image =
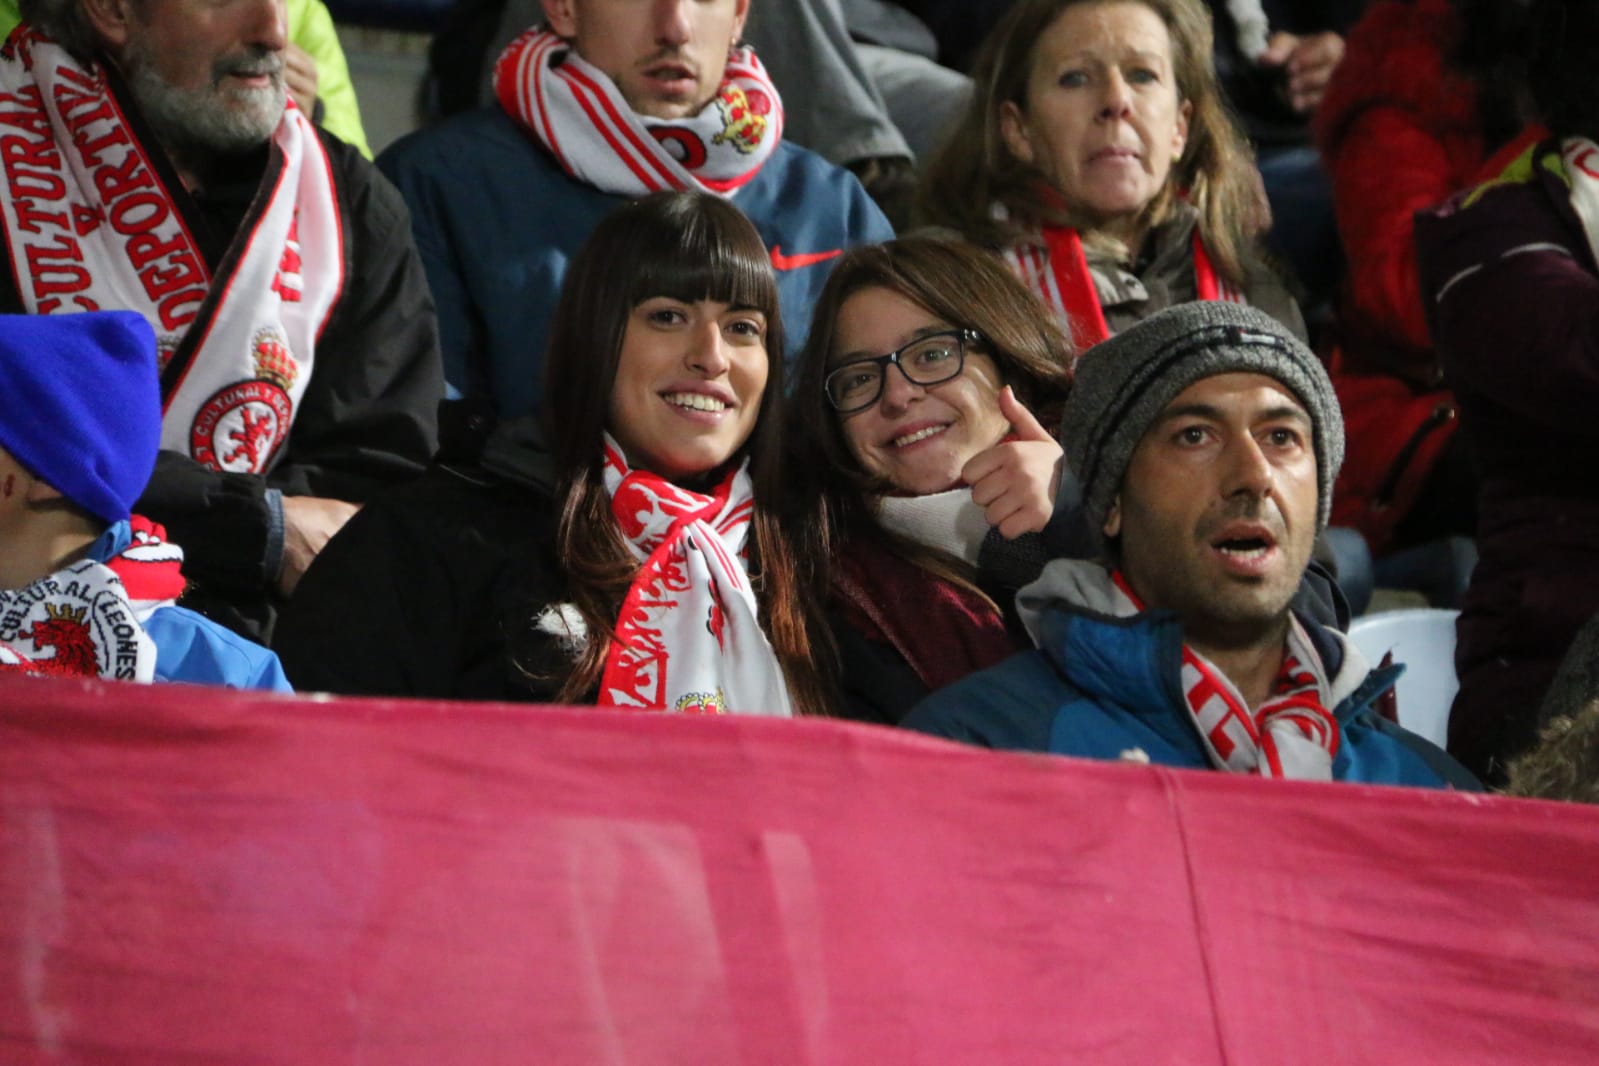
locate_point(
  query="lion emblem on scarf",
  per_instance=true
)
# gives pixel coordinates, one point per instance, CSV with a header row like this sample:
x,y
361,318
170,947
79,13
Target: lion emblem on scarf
x,y
242,426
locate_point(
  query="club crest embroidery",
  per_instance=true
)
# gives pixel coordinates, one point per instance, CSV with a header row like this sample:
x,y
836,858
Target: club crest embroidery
x,y
242,426
743,117
701,703
75,623
688,635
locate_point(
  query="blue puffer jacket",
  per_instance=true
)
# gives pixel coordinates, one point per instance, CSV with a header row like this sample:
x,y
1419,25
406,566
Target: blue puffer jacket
x,y
496,221
1102,685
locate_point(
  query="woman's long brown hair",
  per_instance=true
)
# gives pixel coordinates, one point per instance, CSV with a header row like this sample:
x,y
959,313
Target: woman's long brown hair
x,y
687,246
966,287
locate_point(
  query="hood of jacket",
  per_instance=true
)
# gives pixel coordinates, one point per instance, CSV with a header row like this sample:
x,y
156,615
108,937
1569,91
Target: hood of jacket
x,y
1091,632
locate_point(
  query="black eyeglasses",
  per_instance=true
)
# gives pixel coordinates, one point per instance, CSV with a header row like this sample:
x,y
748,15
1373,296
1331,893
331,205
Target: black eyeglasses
x,y
929,360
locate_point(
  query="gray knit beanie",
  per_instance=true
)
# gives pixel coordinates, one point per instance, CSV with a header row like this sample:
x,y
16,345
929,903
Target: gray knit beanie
x,y
1124,383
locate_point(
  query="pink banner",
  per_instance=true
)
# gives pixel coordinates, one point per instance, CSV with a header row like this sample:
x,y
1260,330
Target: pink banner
x,y
194,876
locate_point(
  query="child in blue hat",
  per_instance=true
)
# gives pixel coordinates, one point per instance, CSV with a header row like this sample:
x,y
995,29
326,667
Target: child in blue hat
x,y
87,588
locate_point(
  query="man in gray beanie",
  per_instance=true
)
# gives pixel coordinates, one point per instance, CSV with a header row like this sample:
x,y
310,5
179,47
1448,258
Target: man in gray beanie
x,y
1206,439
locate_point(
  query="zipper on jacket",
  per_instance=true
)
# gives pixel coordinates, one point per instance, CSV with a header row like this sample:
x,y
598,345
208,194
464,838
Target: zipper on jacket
x,y
1441,415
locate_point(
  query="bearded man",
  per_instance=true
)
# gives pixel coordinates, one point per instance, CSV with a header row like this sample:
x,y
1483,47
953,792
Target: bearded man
x,y
150,161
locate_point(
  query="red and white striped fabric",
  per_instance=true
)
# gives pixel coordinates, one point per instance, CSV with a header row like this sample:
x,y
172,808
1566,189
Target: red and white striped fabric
x,y
151,568
688,637
91,224
578,113
1290,735
1055,268
1581,157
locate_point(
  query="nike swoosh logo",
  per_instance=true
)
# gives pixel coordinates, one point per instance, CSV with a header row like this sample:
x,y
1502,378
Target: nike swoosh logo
x,y
803,259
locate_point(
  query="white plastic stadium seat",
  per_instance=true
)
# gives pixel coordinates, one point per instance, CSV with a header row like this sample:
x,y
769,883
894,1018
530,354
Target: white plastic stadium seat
x,y
1423,639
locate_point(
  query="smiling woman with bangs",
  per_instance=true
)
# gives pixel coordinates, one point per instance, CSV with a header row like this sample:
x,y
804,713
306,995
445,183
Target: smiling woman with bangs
x,y
624,550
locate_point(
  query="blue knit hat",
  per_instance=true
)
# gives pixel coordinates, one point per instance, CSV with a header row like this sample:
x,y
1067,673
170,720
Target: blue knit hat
x,y
80,404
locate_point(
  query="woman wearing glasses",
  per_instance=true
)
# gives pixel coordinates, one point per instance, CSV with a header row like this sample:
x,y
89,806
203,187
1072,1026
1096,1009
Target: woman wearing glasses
x,y
634,559
932,477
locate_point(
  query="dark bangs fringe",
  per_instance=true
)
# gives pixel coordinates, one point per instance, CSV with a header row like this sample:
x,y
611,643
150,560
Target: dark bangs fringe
x,y
706,258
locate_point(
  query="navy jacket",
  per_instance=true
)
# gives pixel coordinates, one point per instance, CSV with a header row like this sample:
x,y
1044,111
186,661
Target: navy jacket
x,y
497,220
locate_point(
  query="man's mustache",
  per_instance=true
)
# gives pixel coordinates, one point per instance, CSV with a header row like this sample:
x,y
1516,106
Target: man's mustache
x,y
674,56
1243,509
253,64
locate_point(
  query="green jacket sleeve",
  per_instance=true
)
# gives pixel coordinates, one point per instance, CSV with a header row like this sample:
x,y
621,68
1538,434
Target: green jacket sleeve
x,y
311,27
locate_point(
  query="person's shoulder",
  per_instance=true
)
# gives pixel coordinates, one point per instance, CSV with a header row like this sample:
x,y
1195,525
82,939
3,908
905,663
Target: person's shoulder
x,y
1266,289
1522,205
463,497
790,164
1010,705
1511,183
478,139
797,189
191,648
793,169
1378,752
1374,750
361,186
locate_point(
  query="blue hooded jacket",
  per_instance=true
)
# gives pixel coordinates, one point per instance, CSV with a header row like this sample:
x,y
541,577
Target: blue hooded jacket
x,y
190,647
1103,684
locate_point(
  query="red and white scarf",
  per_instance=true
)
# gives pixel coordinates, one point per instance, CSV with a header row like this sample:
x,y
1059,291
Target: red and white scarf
x,y
1056,268
580,116
1291,735
89,223
76,622
151,568
1581,157
688,637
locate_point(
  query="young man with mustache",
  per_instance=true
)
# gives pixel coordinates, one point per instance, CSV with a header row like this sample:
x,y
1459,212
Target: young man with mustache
x,y
1206,439
150,161
606,102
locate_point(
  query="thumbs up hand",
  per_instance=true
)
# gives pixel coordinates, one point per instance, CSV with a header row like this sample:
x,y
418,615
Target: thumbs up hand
x,y
1015,481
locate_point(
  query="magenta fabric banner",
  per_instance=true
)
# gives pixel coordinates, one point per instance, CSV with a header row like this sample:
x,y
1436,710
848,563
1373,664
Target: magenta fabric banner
x,y
193,876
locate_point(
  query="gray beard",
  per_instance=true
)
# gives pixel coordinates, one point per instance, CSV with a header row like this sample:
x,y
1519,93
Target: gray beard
x,y
193,122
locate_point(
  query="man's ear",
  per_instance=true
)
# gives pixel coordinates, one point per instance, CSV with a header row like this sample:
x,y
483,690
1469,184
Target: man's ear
x,y
1013,128
741,11
111,20
41,491
560,14
1113,519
